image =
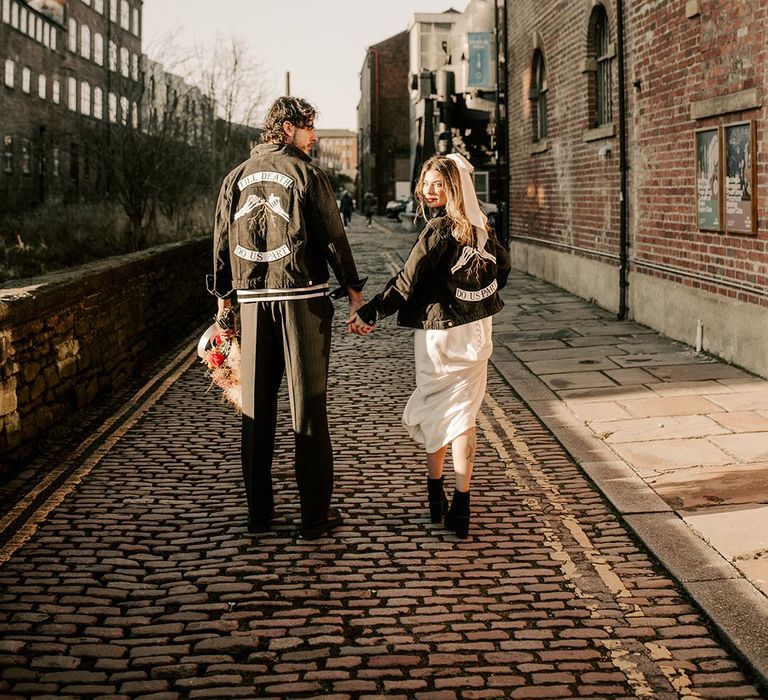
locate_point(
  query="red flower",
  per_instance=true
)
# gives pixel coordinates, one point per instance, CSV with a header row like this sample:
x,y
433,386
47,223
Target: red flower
x,y
216,359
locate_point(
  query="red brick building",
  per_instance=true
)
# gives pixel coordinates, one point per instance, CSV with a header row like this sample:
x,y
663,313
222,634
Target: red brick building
x,y
71,68
336,151
648,194
383,121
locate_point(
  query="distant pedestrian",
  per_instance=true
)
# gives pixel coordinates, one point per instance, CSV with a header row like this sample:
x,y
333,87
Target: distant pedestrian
x,y
448,291
277,229
369,206
346,206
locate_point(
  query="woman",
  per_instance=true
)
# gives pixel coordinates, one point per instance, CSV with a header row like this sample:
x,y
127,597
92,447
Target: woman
x,y
448,291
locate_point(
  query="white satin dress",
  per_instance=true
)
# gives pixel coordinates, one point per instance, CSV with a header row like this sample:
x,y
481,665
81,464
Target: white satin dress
x,y
451,375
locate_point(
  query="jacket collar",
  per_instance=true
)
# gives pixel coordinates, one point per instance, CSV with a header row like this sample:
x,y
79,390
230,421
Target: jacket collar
x,y
263,149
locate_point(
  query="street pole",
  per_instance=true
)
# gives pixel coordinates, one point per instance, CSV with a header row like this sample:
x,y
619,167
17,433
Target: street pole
x,y
502,146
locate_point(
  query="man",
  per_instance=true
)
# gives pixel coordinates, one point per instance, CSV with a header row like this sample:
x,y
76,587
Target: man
x,y
277,229
346,206
369,205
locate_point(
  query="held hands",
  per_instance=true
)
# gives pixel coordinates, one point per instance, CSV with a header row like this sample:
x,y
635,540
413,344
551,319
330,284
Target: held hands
x,y
357,326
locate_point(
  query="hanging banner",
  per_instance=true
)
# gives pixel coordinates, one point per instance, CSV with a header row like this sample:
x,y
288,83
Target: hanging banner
x,y
479,70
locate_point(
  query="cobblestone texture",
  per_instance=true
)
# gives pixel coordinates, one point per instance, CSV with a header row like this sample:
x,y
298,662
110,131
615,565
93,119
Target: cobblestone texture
x,y
143,582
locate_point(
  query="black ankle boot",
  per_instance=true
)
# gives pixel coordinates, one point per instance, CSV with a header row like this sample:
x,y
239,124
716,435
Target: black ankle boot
x,y
457,517
438,502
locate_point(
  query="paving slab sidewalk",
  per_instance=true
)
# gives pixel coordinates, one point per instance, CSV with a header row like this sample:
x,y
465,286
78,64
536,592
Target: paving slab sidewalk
x,y
675,439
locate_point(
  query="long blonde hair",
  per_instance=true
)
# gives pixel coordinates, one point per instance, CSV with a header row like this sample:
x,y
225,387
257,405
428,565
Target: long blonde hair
x,y
463,231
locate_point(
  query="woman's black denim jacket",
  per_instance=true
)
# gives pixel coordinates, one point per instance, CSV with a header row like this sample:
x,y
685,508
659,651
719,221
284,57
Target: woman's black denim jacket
x,y
443,283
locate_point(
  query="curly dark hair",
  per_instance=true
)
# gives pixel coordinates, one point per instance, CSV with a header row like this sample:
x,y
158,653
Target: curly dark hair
x,y
286,109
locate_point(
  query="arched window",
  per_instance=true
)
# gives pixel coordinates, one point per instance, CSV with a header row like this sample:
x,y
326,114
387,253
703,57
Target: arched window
x,y
98,103
85,41
602,51
85,98
98,48
72,35
538,95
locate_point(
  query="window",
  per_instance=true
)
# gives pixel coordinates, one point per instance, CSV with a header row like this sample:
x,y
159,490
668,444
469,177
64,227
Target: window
x,y
47,35
134,66
112,107
112,56
134,115
85,41
7,11
39,30
85,98
98,5
26,79
15,15
125,68
72,94
125,17
98,48
72,41
602,50
480,181
56,161
98,103
87,2
8,153
56,92
54,35
41,86
538,96
135,21
23,20
26,156
124,108
9,71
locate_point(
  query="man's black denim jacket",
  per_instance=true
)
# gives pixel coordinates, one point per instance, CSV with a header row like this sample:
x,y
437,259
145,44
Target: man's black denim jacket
x,y
443,283
278,227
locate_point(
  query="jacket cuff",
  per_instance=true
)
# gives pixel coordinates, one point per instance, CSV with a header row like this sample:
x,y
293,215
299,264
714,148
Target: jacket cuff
x,y
358,286
210,284
367,313
340,292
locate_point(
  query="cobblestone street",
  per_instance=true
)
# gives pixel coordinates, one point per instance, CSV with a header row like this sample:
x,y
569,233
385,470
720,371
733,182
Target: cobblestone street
x,y
135,576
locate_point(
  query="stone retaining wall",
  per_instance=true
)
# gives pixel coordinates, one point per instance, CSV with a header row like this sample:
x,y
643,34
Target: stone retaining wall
x,y
71,335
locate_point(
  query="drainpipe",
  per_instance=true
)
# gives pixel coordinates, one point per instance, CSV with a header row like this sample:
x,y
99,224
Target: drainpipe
x,y
623,168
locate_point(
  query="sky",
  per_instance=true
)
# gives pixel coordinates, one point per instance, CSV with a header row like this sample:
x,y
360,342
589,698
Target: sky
x,y
322,43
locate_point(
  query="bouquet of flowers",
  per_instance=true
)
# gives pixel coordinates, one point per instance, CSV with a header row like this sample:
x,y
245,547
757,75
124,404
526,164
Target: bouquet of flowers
x,y
220,353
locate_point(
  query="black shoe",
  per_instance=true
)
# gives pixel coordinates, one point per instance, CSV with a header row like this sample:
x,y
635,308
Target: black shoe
x,y
260,525
457,517
438,502
314,532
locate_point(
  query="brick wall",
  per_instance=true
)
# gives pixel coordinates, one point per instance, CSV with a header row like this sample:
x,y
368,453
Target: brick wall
x,y
383,118
689,65
69,336
561,191
679,61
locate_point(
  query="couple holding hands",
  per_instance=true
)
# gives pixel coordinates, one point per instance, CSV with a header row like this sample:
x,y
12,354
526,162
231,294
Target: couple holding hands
x,y
277,230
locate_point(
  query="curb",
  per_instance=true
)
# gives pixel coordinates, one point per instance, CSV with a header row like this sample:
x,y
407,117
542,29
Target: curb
x,y
734,606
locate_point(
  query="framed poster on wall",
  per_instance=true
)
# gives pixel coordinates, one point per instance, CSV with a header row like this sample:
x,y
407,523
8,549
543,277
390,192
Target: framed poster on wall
x,y
740,175
709,191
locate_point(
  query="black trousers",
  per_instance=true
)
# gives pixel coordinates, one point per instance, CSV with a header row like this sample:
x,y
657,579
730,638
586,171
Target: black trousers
x,y
292,338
